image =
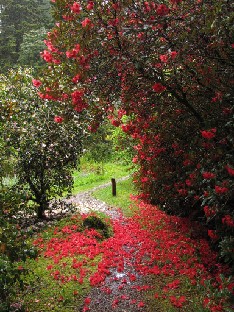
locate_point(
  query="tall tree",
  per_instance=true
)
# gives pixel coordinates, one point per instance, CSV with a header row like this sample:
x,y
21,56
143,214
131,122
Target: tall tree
x,y
19,17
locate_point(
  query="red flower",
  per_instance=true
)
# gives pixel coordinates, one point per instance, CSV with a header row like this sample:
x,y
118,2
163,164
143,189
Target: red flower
x,y
208,134
208,211
230,170
228,220
76,78
208,175
90,5
212,234
58,119
178,302
162,9
220,189
163,58
76,8
173,54
47,56
87,300
86,22
74,52
141,304
36,83
158,87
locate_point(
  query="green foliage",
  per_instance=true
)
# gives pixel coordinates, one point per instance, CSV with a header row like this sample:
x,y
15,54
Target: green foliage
x,y
18,18
98,146
46,152
30,48
13,244
123,146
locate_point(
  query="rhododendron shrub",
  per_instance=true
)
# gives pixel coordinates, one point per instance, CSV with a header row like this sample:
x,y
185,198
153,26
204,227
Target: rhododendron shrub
x,y
166,65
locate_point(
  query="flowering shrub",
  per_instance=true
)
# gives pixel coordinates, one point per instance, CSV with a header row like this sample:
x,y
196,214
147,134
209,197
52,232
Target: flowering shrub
x,y
45,147
167,66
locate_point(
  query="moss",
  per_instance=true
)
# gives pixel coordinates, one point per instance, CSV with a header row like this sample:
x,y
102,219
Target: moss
x,y
98,224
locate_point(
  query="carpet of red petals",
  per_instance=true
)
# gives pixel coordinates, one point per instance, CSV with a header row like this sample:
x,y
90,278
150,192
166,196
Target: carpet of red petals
x,y
155,243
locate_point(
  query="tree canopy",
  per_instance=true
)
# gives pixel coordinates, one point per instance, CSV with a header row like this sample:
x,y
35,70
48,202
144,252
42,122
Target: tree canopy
x,y
18,18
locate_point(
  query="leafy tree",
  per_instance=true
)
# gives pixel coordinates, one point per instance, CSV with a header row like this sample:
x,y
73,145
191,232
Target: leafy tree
x,y
167,66
19,17
98,146
46,149
30,48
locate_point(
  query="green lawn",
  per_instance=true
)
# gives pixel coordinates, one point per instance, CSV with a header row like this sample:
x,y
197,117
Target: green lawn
x,y
122,198
91,175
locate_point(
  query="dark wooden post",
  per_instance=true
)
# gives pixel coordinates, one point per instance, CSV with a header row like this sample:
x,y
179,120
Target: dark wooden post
x,y
113,187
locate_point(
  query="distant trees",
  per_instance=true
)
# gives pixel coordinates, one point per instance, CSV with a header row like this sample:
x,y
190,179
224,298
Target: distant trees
x,y
17,19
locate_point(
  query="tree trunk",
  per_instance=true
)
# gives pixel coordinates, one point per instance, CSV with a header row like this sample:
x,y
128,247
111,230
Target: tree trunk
x,y
43,206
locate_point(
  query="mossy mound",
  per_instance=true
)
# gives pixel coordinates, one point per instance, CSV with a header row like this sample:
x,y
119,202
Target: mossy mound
x,y
98,224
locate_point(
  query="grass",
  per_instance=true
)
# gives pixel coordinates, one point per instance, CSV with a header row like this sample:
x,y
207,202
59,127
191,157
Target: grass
x,y
92,174
122,198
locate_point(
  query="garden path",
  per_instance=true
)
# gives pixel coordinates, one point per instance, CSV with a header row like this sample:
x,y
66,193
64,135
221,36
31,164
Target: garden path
x,y
120,289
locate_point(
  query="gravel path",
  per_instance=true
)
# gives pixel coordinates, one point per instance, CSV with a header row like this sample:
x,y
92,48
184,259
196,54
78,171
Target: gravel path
x,y
119,292
84,202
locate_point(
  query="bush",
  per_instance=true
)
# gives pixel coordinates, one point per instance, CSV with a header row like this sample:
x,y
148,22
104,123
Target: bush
x,y
13,245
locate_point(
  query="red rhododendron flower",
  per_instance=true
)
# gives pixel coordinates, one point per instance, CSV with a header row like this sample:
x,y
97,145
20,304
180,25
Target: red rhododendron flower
x,y
173,54
162,9
220,189
74,52
163,58
141,304
230,170
46,55
208,175
76,8
208,134
212,234
209,212
178,302
86,22
58,119
87,300
36,83
158,87
76,78
228,220
90,5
